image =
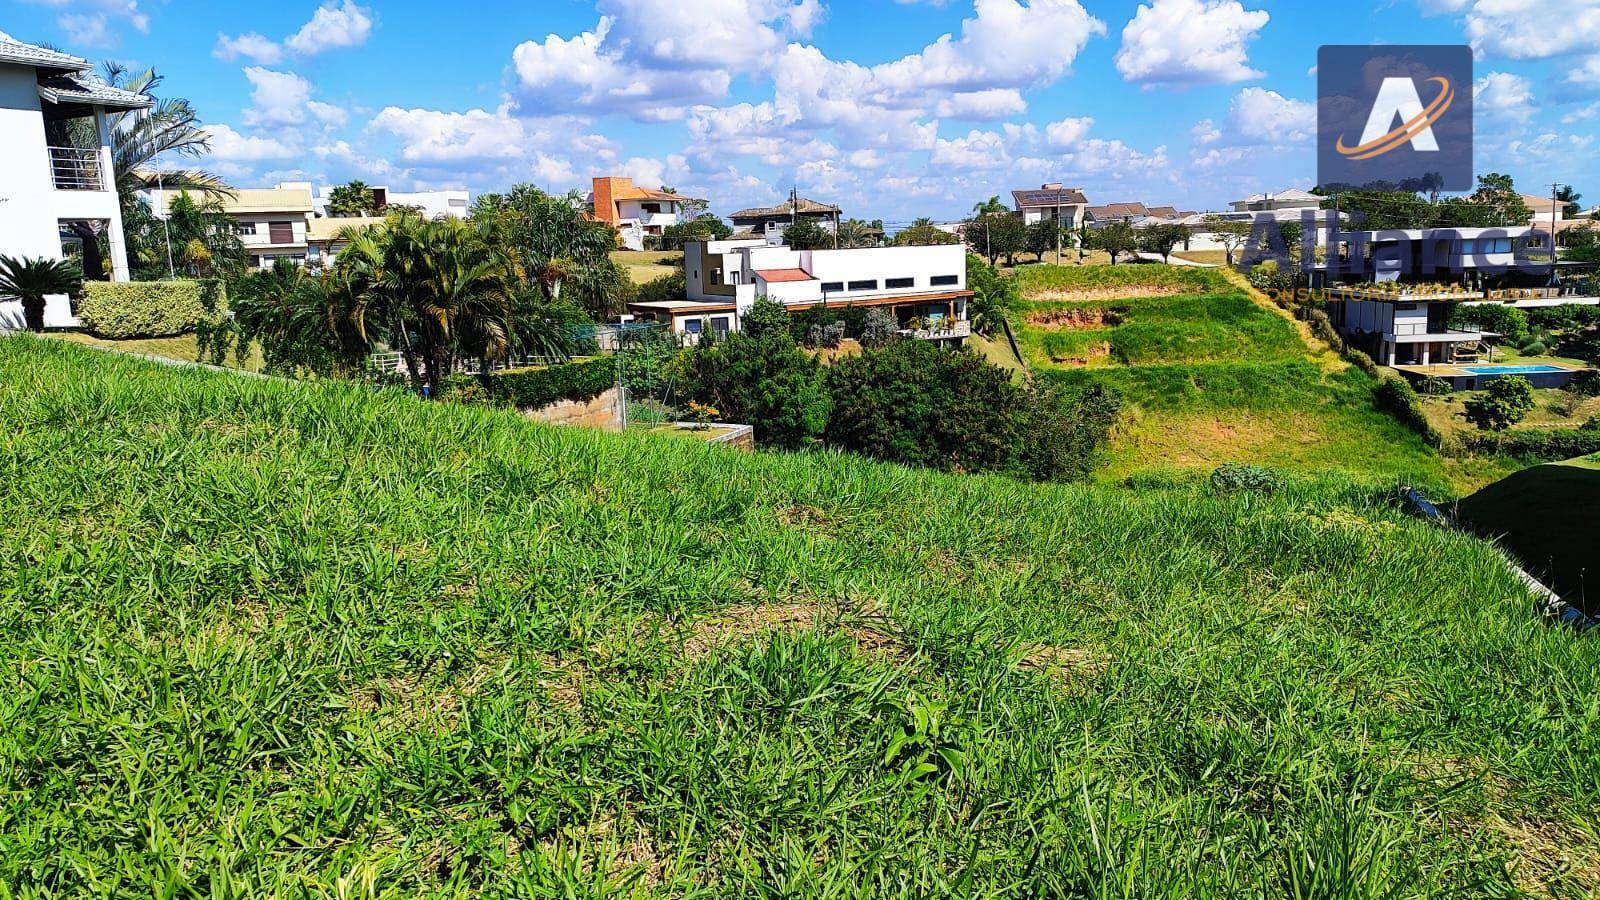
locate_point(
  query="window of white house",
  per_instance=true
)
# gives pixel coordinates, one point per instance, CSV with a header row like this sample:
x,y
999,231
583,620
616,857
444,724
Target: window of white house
x,y
692,326
900,282
243,228
944,280
829,287
721,324
864,285
650,207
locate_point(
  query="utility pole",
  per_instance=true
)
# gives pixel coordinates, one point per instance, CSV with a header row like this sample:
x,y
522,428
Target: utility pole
x,y
166,222
1555,188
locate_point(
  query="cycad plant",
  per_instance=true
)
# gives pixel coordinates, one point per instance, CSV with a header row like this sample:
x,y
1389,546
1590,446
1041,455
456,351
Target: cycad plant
x,y
31,280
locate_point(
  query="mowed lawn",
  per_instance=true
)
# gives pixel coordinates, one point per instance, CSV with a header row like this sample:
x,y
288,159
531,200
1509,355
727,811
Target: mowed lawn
x,y
1213,375
264,638
644,266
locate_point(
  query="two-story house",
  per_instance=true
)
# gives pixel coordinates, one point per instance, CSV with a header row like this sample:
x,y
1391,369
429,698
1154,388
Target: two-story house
x,y
1068,206
636,213
56,174
924,287
453,204
770,222
272,223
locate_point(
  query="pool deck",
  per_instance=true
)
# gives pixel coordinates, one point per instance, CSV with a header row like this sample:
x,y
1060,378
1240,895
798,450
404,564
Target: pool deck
x,y
1440,370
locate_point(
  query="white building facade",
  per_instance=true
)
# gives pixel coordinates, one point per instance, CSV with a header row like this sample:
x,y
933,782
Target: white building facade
x,y
925,288
46,184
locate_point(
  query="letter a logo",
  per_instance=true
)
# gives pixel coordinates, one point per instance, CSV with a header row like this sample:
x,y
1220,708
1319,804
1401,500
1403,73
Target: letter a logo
x,y
1394,117
1398,99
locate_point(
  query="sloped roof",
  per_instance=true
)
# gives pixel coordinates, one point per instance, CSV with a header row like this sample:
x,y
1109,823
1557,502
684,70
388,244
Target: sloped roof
x,y
15,51
634,192
1163,212
1294,194
807,206
256,200
325,229
1052,197
1119,211
89,89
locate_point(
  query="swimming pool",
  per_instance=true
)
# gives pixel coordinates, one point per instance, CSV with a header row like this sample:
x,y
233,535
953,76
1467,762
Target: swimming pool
x,y
1512,370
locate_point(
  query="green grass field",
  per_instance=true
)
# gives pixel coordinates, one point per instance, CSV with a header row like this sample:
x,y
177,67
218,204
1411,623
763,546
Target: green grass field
x,y
1213,375
644,266
183,347
266,638
1545,515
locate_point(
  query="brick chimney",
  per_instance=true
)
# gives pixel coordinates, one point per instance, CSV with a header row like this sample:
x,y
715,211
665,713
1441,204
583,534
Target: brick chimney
x,y
605,193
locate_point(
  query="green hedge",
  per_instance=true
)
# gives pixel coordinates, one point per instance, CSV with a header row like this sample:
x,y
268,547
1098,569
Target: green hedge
x,y
1396,396
137,309
535,388
1536,444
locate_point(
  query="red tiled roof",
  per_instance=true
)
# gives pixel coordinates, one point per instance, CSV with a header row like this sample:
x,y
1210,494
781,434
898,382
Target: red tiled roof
x,y
783,274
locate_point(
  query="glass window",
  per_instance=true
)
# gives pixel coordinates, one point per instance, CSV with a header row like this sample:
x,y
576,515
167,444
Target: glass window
x,y
720,324
692,326
829,287
864,285
901,282
945,280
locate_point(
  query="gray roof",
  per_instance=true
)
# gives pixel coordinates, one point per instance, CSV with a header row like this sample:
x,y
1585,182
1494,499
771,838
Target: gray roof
x,y
1052,197
15,51
89,89
807,207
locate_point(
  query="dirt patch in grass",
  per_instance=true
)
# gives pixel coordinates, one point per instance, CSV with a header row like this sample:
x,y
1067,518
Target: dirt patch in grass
x,y
870,629
1090,356
1126,292
1075,319
617,843
410,701
803,515
1063,664
1549,858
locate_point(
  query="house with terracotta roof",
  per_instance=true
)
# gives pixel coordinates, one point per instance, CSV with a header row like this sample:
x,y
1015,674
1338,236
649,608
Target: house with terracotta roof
x,y
635,212
1051,201
925,288
770,222
57,184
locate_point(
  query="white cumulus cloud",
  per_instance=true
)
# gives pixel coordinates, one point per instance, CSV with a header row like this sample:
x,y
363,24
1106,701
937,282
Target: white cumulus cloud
x,y
1189,42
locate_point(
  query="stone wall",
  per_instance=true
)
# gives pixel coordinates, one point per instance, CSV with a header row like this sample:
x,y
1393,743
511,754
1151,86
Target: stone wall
x,y
602,412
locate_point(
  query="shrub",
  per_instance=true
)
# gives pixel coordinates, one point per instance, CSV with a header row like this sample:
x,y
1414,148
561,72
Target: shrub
x,y
1395,396
1503,404
1232,478
1537,444
1362,361
765,316
1566,403
766,382
1505,320
878,327
1565,317
537,388
137,309
1433,386
1063,428
1585,383
1322,329
803,323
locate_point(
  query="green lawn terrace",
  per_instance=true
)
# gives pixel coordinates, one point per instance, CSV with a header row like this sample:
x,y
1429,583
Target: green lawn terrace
x,y
1215,374
266,637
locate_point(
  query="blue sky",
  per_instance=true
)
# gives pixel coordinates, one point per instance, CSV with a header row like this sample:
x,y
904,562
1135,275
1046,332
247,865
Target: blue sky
x,y
893,108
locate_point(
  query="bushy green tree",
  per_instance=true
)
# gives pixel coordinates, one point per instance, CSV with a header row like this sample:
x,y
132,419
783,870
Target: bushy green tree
x,y
32,280
704,227
1117,239
351,200
1505,402
1504,320
1045,236
806,234
996,233
1063,428
764,381
532,228
924,234
1161,239
994,296
765,317
1230,233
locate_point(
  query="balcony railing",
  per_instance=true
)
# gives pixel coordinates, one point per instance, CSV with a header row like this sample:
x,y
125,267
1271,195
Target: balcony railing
x,y
75,169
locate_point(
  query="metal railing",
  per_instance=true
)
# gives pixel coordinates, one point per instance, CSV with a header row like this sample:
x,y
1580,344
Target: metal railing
x,y
76,169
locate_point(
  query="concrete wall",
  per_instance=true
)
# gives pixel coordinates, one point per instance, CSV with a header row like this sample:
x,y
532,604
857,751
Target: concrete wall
x,y
603,412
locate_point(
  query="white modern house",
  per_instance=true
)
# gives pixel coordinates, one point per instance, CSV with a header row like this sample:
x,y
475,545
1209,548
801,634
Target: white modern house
x,y
1067,206
1291,206
924,287
635,212
433,204
53,175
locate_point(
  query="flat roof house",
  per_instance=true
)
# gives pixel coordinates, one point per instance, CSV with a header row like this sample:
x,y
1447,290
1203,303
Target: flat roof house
x,y
770,222
55,163
635,212
433,204
924,287
1051,201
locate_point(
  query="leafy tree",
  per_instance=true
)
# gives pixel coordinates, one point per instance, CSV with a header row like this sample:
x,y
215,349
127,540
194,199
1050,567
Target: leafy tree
x,y
989,207
1569,197
351,200
1230,233
532,228
671,286
1581,244
1161,239
1045,236
924,233
764,380
1117,239
1499,318
806,234
997,233
1383,210
31,280
765,316
1503,404
704,227
204,243
1063,428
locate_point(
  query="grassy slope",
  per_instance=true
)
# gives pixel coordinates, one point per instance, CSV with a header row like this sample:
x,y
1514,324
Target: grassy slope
x,y
183,346
267,637
1546,516
1215,376
647,265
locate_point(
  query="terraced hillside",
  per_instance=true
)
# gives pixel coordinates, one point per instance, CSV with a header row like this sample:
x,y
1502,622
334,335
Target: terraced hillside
x,y
1214,376
265,638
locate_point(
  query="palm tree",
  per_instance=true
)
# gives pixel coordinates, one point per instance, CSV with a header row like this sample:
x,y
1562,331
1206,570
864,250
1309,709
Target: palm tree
x,y
31,280
139,138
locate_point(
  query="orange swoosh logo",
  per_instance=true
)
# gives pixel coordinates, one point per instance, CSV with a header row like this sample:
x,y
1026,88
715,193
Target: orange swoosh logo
x,y
1407,130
